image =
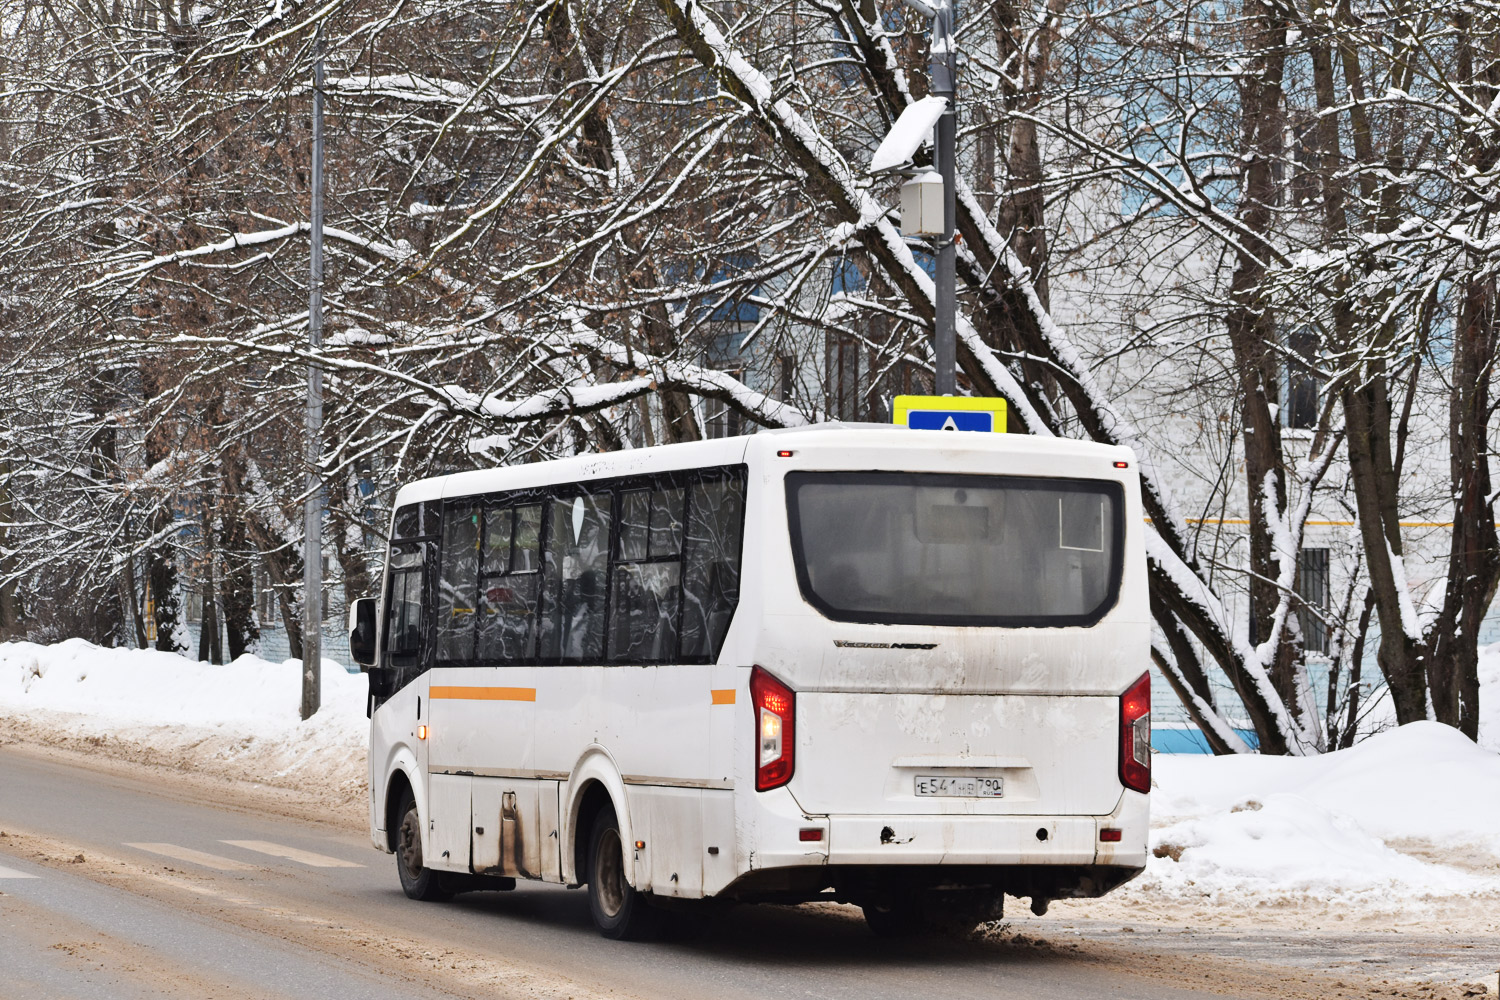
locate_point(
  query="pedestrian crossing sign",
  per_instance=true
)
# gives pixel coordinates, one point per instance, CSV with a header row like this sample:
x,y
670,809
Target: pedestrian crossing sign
x,y
949,413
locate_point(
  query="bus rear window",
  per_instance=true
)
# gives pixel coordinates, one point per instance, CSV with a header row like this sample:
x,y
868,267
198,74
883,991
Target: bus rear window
x,y
932,549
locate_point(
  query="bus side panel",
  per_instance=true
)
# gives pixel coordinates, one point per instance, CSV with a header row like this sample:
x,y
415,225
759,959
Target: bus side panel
x,y
729,717
718,839
505,822
448,799
629,711
673,854
483,718
394,747
550,828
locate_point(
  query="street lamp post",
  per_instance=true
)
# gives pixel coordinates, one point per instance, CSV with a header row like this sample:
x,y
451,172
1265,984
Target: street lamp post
x,y
943,81
312,511
935,115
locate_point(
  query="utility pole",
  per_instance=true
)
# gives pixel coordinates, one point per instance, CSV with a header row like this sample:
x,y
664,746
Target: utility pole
x,y
312,554
943,77
935,115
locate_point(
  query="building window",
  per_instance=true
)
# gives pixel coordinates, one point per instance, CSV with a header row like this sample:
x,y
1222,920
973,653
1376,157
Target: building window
x,y
1303,387
265,601
1312,587
720,420
843,377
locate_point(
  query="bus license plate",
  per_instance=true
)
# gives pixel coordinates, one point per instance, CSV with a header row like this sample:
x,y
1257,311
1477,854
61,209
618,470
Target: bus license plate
x,y
967,787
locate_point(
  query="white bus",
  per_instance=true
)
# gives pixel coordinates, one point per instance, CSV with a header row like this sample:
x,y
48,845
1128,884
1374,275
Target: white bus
x,y
902,669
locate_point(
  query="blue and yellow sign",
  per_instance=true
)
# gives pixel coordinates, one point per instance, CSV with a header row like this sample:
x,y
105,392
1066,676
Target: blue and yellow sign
x,y
949,413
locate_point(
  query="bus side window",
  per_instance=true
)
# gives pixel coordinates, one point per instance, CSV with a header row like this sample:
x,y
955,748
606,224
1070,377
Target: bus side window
x,y
716,518
458,581
416,520
407,522
509,583
577,560
646,595
403,622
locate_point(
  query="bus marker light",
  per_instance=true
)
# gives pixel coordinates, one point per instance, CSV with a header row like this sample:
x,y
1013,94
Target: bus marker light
x,y
1122,465
1110,835
813,834
783,454
640,845
421,732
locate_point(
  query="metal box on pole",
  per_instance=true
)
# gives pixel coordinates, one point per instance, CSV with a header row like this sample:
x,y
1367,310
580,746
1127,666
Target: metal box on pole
x,y
922,204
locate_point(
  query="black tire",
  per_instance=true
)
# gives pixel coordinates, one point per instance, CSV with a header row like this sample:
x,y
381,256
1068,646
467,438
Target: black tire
x,y
619,911
417,881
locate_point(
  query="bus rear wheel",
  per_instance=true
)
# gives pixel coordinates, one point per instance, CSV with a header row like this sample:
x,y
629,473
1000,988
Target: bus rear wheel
x,y
417,882
619,911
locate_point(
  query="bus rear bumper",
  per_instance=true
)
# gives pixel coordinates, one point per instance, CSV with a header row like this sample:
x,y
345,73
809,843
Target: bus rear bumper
x,y
876,857
962,840
1119,839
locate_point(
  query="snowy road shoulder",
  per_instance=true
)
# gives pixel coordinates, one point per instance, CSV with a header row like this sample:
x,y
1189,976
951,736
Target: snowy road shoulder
x,y
237,721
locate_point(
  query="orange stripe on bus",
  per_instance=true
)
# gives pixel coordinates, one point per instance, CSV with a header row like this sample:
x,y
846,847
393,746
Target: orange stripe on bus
x,y
482,694
722,696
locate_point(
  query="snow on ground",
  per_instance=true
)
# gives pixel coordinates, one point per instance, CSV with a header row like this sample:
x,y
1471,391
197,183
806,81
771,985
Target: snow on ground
x,y
239,720
1410,814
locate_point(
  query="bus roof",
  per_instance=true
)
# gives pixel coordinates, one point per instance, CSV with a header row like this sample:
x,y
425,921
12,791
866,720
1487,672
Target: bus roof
x,y
733,450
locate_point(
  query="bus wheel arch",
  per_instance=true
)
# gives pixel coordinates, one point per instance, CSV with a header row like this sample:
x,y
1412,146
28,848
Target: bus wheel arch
x,y
594,785
398,784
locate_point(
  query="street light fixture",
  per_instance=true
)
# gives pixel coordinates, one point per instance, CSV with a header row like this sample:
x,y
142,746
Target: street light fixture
x,y
936,113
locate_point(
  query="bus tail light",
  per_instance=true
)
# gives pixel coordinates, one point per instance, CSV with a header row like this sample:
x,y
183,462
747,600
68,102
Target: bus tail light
x,y
1135,735
775,730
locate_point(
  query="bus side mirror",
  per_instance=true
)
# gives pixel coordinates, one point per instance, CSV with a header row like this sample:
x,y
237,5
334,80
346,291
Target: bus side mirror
x,y
362,631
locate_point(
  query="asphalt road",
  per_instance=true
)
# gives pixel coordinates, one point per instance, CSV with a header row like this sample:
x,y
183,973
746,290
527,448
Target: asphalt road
x,y
118,886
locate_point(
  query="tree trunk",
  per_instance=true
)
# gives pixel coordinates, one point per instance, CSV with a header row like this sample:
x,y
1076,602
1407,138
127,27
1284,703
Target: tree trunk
x,y
166,607
350,534
1254,341
1367,419
208,625
281,558
1356,663
161,565
238,580
10,605
1452,656
113,619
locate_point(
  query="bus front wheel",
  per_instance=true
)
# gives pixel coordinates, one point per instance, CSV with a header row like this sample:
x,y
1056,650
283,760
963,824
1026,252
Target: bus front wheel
x,y
619,911
417,881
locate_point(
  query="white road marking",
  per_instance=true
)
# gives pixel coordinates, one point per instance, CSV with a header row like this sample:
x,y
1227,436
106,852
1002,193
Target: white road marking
x,y
12,873
194,857
292,854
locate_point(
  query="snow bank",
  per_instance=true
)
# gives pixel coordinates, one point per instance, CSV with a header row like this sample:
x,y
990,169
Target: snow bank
x,y
1411,812
146,686
238,720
